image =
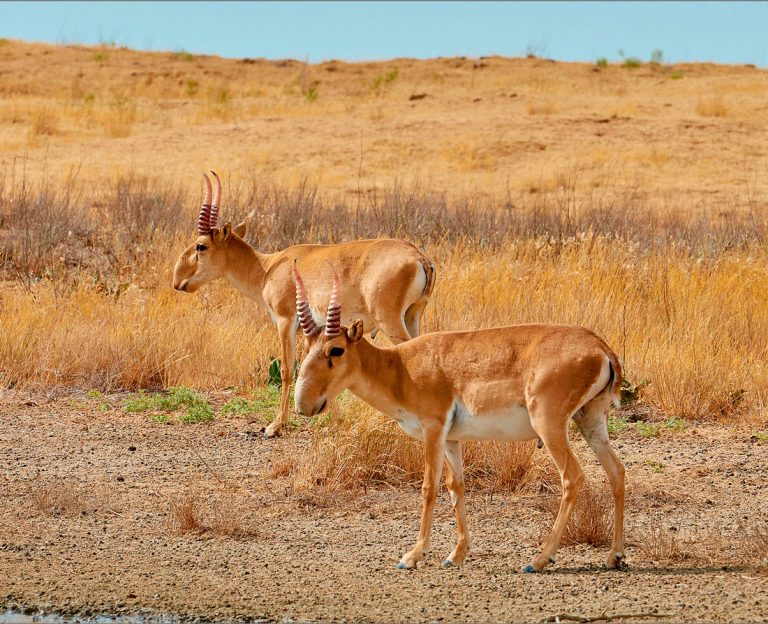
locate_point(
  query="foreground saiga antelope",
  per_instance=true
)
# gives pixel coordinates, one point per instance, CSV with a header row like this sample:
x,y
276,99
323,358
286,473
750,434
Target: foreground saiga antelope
x,y
507,383
387,282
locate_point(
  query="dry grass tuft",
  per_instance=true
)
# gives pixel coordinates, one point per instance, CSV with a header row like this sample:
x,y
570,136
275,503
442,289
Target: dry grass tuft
x,y
711,107
541,107
60,498
224,515
45,122
662,544
592,518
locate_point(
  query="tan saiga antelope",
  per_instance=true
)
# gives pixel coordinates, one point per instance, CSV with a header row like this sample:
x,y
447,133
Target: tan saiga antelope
x,y
387,282
507,383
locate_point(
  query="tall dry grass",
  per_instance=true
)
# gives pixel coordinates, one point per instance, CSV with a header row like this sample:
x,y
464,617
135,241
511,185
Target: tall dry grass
x,y
679,291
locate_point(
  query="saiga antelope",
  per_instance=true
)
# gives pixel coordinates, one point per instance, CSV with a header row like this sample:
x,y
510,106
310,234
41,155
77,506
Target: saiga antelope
x,y
507,383
387,282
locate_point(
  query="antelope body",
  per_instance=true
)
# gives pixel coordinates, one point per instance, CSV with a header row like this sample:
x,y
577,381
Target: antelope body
x,y
509,383
387,282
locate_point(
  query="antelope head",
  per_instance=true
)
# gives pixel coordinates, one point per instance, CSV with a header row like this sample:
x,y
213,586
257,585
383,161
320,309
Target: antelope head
x,y
332,358
206,259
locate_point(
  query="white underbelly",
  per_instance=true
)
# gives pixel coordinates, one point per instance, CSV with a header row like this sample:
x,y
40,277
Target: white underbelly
x,y
410,424
509,423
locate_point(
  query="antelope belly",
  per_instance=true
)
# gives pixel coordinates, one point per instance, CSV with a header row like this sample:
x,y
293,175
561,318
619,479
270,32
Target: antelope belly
x,y
508,423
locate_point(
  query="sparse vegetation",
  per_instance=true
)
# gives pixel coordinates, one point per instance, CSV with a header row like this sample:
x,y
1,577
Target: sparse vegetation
x,y
656,466
183,55
382,80
712,106
602,62
592,519
193,408
226,515
617,424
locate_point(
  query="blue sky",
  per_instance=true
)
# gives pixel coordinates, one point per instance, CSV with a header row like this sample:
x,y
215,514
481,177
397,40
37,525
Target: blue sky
x,y
726,32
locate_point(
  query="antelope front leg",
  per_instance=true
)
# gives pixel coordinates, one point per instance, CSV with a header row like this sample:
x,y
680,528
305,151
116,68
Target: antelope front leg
x,y
434,445
287,331
454,480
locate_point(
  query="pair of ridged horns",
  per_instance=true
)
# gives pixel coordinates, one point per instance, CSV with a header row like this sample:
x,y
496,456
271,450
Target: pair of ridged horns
x,y
306,320
209,211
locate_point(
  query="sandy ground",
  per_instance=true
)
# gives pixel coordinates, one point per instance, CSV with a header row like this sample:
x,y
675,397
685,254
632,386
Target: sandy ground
x,y
497,126
317,557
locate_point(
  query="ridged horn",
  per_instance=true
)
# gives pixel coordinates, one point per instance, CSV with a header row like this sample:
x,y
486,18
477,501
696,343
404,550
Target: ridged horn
x,y
306,320
215,202
333,317
204,218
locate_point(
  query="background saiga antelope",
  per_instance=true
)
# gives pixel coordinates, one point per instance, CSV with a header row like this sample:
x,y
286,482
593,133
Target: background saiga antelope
x,y
387,282
506,383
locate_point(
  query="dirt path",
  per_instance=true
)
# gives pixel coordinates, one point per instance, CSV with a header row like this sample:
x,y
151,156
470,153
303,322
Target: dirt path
x,y
84,511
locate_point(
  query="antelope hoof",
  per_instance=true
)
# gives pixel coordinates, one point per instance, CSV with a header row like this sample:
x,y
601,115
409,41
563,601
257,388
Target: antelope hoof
x,y
447,563
405,566
529,569
615,561
272,431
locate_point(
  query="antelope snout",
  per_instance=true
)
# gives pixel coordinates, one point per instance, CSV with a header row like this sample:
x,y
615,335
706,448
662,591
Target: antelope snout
x,y
312,410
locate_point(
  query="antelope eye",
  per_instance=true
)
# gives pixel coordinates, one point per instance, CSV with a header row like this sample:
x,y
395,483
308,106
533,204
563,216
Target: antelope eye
x,y
336,352
201,248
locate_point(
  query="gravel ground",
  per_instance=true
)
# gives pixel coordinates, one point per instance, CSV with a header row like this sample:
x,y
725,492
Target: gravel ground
x,y
84,529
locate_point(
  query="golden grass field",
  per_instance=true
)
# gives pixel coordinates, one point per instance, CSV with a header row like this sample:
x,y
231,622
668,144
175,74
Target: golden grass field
x,y
629,200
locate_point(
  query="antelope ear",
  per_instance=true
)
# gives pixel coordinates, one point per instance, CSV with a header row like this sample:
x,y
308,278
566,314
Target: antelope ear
x,y
240,229
222,234
355,331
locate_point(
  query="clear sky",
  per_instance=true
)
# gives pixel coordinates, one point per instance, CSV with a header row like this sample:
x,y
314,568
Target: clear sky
x,y
725,32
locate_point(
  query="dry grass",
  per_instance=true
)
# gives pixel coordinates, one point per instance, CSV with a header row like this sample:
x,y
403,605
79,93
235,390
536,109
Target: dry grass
x,y
743,546
60,498
677,293
711,107
660,543
669,266
592,518
226,515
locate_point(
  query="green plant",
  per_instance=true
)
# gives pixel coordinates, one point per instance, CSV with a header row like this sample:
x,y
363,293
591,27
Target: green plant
x,y
177,398
274,376
100,56
760,436
602,62
630,393
243,407
648,430
675,424
89,98
311,94
676,75
657,466
630,61
657,57
183,55
93,394
617,424
384,79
